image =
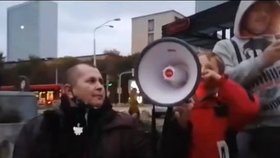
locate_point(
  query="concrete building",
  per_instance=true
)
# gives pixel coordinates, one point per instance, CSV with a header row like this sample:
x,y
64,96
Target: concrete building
x,y
147,28
32,30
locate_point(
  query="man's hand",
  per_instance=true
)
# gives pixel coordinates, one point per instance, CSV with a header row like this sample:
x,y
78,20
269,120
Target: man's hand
x,y
272,53
182,113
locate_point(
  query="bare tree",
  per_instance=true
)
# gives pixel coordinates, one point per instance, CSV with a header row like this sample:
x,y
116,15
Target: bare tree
x,y
112,51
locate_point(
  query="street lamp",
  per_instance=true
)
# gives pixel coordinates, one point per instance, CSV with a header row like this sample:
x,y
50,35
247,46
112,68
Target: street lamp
x,y
94,41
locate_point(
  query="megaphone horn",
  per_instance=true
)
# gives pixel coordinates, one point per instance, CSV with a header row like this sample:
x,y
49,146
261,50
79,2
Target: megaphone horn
x,y
168,71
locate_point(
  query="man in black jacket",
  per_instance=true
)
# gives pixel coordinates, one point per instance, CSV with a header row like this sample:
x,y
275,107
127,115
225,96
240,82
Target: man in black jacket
x,y
84,126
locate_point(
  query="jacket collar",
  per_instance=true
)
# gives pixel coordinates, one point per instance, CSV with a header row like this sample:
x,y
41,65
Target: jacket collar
x,y
105,115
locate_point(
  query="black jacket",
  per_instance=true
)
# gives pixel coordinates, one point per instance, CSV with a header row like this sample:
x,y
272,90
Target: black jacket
x,y
106,134
175,140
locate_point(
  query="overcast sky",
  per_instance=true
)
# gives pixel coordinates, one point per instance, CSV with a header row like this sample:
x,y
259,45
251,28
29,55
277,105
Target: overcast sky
x,y
76,21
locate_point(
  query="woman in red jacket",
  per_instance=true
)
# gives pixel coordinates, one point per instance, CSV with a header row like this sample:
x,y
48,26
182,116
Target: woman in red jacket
x,y
220,106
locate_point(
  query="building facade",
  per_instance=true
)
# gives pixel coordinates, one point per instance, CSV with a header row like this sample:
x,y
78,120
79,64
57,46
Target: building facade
x,y
32,30
146,29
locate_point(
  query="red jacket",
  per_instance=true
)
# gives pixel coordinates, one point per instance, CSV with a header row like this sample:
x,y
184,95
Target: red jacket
x,y
209,129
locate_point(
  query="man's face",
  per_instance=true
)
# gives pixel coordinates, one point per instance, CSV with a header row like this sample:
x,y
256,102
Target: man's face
x,y
258,17
89,86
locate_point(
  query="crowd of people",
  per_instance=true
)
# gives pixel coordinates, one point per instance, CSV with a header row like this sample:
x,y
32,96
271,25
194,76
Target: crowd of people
x,y
234,114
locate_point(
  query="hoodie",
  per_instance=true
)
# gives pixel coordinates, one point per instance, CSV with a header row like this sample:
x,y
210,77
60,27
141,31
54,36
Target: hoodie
x,y
251,72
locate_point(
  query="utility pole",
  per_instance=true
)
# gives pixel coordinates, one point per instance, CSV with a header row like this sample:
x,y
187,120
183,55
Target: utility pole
x,y
56,75
119,90
107,82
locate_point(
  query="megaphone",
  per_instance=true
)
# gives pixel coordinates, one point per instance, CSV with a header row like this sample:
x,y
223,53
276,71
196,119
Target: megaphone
x,y
168,72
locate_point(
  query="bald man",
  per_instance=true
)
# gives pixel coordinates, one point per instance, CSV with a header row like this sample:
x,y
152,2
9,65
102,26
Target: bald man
x,y
85,126
85,82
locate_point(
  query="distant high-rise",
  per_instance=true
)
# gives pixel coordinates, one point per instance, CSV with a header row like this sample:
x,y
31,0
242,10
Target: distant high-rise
x,y
32,30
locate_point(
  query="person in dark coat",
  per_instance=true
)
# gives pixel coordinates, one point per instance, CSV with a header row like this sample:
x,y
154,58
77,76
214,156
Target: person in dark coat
x,y
84,126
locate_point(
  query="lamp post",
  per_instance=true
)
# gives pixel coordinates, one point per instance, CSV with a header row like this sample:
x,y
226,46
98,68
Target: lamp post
x,y
94,41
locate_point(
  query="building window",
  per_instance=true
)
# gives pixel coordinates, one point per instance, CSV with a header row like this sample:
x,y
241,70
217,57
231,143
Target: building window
x,y
150,37
151,25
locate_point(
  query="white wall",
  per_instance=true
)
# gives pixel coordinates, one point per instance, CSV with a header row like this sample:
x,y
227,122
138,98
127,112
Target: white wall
x,y
140,28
